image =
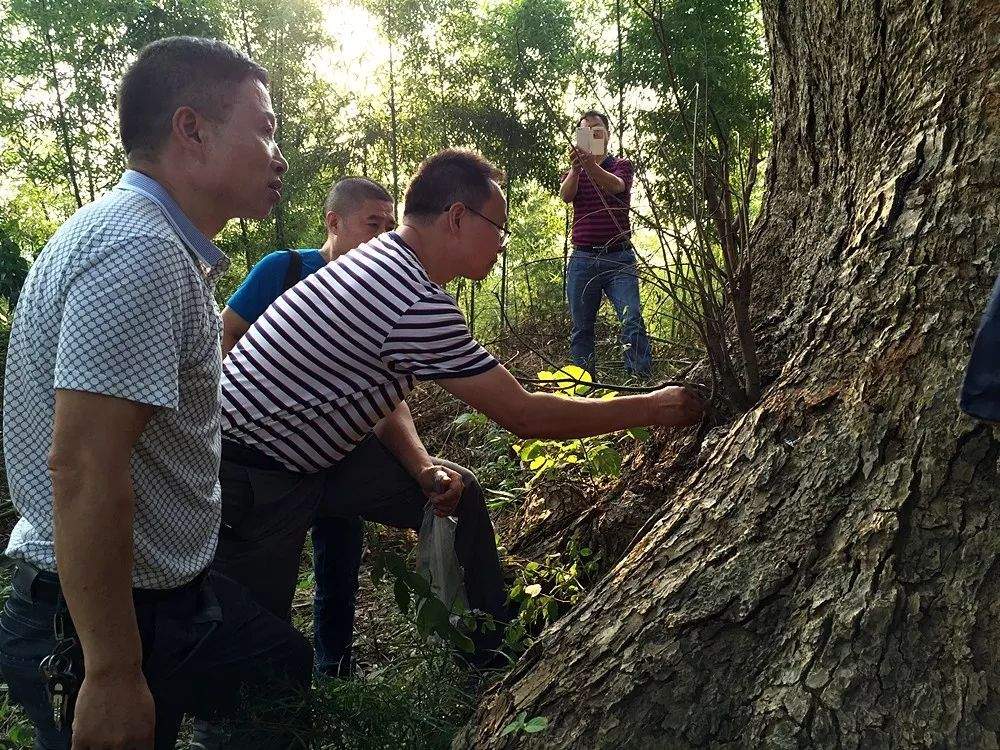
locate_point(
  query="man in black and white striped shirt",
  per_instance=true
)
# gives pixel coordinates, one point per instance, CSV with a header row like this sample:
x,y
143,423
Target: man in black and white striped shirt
x,y
303,390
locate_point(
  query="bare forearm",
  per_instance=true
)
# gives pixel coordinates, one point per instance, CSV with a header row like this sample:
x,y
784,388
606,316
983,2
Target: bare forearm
x,y
93,511
567,191
552,417
605,180
228,342
233,329
399,435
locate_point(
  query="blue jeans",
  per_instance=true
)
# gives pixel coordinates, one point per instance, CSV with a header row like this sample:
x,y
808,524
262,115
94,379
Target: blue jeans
x,y
980,396
338,544
591,275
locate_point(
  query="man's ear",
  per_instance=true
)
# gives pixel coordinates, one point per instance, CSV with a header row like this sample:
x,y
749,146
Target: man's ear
x,y
333,221
187,127
455,215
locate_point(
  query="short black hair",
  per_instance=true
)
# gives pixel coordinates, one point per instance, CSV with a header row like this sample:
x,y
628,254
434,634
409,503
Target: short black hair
x,y
347,194
175,72
594,113
450,176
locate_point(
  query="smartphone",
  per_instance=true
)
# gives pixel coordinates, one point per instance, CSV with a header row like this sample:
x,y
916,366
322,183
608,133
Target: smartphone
x,y
585,141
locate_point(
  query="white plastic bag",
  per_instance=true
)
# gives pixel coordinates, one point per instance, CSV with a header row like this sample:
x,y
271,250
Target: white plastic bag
x,y
436,560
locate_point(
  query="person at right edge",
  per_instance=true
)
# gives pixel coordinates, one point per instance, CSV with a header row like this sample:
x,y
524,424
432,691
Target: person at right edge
x,y
980,394
603,260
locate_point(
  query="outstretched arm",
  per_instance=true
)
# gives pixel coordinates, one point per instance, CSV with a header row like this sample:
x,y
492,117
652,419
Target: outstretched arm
x,y
545,415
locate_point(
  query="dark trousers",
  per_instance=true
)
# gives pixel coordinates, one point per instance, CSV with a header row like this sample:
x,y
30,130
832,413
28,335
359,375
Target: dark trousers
x,y
267,512
209,649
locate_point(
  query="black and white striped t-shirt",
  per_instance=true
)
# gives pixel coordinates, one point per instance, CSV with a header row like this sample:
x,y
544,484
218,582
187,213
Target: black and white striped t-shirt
x,y
338,352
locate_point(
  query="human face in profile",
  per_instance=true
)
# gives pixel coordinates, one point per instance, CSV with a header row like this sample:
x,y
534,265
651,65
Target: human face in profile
x,y
485,235
243,164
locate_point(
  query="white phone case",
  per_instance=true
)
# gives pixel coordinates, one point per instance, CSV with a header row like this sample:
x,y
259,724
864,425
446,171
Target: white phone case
x,y
585,141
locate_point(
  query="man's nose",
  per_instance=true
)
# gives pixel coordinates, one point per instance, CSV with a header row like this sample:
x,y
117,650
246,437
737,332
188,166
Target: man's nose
x,y
281,166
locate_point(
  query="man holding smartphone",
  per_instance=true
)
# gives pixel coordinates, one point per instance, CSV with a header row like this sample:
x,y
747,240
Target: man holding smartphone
x,y
599,185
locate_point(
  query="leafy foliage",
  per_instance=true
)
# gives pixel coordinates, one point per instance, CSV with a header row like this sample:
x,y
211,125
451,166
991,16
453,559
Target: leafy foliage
x,y
547,589
599,455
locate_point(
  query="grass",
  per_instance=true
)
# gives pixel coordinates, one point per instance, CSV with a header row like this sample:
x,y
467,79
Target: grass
x,y
16,732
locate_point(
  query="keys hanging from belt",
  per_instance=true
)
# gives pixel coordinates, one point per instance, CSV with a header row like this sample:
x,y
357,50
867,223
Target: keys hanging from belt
x,y
62,683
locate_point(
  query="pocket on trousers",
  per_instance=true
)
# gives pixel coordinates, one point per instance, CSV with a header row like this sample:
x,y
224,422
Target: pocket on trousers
x,y
237,497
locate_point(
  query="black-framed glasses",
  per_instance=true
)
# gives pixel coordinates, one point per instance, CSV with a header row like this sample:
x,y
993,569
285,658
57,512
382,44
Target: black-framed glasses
x,y
504,231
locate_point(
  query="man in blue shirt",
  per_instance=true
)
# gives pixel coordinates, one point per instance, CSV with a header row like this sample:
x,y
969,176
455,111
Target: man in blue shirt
x,y
355,211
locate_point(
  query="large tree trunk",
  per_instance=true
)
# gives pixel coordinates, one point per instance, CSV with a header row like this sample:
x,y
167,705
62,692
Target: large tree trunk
x,y
830,575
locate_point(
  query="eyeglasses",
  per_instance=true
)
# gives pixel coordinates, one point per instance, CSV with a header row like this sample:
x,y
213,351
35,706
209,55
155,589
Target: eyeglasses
x,y
504,231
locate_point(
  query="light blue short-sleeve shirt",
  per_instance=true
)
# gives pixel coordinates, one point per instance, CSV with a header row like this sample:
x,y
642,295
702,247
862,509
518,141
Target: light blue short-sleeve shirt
x,y
120,303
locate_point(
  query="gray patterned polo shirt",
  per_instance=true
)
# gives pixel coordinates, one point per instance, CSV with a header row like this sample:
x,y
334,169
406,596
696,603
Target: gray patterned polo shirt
x,y
119,302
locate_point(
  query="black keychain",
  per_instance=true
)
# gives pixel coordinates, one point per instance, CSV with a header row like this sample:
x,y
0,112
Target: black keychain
x,y
61,680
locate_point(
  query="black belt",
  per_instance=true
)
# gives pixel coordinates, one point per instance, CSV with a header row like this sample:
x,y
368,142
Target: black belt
x,y
245,455
43,586
602,249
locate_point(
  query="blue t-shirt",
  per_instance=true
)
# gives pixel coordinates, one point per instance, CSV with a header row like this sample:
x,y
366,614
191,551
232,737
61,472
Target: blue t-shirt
x,y
266,282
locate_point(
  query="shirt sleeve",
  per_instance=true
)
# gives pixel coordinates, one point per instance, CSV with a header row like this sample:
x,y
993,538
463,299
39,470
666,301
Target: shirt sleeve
x,y
623,168
122,324
431,341
262,286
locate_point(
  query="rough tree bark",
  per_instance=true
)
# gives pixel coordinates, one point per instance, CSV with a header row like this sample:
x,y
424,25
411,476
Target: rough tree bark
x,y
830,574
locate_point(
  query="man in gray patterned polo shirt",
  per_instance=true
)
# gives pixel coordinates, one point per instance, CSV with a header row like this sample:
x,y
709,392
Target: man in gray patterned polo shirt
x,y
112,443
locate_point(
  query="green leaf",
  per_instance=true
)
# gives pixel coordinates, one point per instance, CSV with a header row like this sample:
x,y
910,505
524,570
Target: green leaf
x,y
461,640
640,433
395,564
606,461
533,590
420,585
538,724
537,462
434,615
516,725
577,373
531,449
514,634
402,594
20,735
551,610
